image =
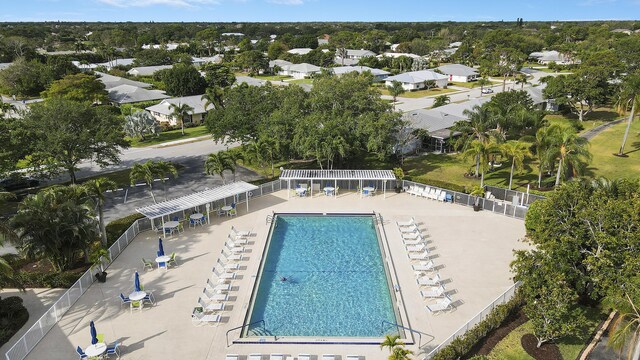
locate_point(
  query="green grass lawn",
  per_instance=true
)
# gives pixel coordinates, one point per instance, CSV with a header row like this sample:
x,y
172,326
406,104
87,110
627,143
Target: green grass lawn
x,y
419,93
301,81
472,85
171,135
607,143
273,77
595,118
570,347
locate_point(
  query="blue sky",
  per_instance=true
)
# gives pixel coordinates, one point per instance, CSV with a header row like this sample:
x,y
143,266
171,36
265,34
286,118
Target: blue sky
x,y
316,10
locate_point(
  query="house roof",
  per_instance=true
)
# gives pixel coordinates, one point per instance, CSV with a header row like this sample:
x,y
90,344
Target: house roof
x,y
300,51
111,81
4,65
457,70
194,101
346,62
360,53
279,62
339,70
415,77
207,59
125,94
457,109
147,70
431,120
549,56
536,93
303,68
116,62
456,44
396,55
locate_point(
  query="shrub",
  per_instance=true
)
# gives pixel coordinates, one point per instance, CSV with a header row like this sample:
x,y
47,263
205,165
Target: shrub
x,y
439,183
13,315
119,226
461,345
38,279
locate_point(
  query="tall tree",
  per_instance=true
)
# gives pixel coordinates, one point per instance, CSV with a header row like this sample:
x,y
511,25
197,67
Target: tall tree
x,y
183,80
217,164
395,89
571,152
164,169
481,152
629,95
180,112
580,92
517,152
78,87
483,81
59,134
479,127
543,149
146,172
441,100
95,189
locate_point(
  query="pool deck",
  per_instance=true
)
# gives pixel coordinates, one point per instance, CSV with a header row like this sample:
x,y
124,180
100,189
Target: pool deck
x,y
472,249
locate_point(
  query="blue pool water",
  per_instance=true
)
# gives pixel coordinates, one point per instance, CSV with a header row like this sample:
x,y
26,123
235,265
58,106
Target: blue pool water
x,y
335,279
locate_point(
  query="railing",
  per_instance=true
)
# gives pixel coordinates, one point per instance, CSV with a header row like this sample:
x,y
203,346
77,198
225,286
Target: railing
x,y
264,328
513,196
502,299
496,206
398,326
37,331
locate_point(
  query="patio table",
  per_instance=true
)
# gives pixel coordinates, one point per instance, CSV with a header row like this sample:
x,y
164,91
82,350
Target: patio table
x,y
329,190
95,349
162,259
226,209
198,218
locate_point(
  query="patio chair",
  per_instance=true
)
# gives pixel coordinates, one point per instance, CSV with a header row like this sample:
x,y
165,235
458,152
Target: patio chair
x,y
411,235
255,357
100,338
192,222
425,192
214,297
237,240
172,260
233,212
409,229
353,357
424,266
229,267
410,222
221,275
434,292
212,306
124,300
149,298
232,257
81,353
429,281
232,357
219,288
175,218
328,357
442,305
234,249
443,196
147,265
199,318
417,248
113,349
221,212
335,192
418,240
135,304
237,232
421,256
276,357
304,357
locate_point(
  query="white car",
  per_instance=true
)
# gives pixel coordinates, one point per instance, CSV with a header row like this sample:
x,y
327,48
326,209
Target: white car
x,y
487,91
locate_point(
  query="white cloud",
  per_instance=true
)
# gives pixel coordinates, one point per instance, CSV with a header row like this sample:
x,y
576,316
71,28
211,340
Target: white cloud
x,y
143,3
287,2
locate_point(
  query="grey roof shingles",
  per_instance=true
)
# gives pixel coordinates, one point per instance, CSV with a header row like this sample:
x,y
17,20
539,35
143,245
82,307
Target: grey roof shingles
x,y
457,70
414,77
194,102
125,94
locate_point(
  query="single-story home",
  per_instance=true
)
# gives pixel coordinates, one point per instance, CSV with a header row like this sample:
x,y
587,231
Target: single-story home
x,y
459,72
300,51
547,57
379,75
108,65
169,47
438,125
199,61
128,94
359,54
111,81
415,80
147,70
280,63
162,111
300,71
397,55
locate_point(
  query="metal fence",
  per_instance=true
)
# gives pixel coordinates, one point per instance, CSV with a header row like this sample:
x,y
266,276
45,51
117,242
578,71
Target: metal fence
x,y
513,196
496,205
502,299
37,331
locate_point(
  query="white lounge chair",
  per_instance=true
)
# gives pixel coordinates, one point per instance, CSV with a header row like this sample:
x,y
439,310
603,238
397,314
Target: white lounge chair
x,y
424,266
442,305
255,357
218,288
436,194
443,196
276,357
434,292
237,240
421,256
417,248
304,357
413,190
222,275
212,306
232,256
409,222
425,192
213,296
409,229
353,357
232,357
328,357
237,232
412,235
234,249
429,281
418,240
228,266
199,318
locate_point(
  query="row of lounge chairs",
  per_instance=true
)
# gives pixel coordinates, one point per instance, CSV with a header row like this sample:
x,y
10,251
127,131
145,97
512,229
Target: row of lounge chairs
x,y
427,276
429,193
216,293
300,357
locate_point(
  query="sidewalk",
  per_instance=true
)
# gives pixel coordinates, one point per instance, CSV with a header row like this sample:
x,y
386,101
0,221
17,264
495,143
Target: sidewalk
x,y
180,142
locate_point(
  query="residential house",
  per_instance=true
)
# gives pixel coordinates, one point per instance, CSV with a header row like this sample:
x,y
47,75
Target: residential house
x,y
147,70
352,57
378,75
279,63
5,65
163,111
199,61
547,57
127,94
300,51
397,55
458,72
168,47
416,80
300,71
111,81
438,125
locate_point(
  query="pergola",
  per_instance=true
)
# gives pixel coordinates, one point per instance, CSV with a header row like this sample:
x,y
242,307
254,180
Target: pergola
x,y
337,175
192,201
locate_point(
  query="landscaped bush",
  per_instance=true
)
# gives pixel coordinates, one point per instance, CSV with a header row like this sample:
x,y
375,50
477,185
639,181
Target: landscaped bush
x,y
461,346
13,315
438,183
48,279
119,226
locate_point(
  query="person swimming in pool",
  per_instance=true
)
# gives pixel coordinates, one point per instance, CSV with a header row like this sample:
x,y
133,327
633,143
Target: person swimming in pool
x,y
283,278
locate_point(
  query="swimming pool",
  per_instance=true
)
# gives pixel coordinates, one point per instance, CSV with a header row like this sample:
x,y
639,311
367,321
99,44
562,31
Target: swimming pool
x,y
323,276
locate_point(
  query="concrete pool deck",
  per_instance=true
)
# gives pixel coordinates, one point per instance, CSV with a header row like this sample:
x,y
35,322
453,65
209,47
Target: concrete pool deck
x,y
472,249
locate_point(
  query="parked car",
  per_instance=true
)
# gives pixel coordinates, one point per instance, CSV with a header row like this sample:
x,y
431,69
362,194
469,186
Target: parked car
x,y
487,91
18,182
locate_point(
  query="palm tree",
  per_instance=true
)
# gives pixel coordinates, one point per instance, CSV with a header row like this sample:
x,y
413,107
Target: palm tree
x,y
477,127
213,96
144,172
481,152
400,353
179,112
6,271
630,93
542,149
441,100
395,90
483,81
261,152
522,80
626,326
96,189
342,54
163,169
517,151
216,164
234,157
571,150
391,342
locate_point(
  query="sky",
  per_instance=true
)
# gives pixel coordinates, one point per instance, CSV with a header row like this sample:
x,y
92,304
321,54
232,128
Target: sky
x,y
316,10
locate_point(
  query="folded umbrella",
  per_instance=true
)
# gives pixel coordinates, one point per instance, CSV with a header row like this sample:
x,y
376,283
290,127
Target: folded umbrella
x,y
136,282
160,248
94,333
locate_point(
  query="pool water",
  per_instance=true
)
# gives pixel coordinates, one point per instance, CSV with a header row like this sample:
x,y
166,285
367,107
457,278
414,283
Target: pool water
x,y
323,276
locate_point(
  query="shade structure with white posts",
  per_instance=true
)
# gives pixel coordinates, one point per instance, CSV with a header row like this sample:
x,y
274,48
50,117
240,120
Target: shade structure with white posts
x,y
336,176
200,198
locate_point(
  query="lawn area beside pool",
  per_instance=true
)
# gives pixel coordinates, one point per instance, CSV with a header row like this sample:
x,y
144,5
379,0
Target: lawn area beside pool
x,y
607,143
171,135
419,93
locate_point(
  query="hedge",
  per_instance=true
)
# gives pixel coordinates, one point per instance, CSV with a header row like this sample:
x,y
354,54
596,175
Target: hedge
x,y
36,279
117,227
461,345
438,183
13,315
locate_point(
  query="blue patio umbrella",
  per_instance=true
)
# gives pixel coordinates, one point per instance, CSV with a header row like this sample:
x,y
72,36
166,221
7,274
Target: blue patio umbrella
x,y
136,282
160,248
94,333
